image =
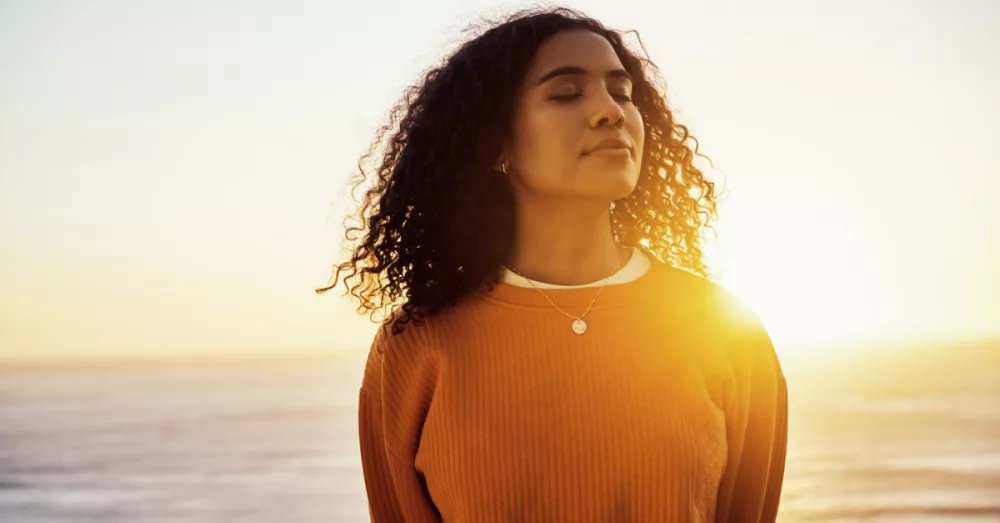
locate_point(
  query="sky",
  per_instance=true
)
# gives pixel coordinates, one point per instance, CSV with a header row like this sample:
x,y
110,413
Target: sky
x,y
172,174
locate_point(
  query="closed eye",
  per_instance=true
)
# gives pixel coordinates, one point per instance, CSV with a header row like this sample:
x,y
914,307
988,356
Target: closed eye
x,y
574,96
566,97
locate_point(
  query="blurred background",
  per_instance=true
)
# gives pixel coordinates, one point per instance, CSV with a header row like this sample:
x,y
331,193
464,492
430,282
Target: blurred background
x,y
172,185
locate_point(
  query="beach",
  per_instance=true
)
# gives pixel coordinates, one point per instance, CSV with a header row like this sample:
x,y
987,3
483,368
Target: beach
x,y
894,436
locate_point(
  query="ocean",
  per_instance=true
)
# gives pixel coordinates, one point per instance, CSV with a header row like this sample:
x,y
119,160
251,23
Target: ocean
x,y
890,436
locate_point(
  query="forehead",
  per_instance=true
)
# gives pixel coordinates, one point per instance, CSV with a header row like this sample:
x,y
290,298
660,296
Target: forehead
x,y
580,48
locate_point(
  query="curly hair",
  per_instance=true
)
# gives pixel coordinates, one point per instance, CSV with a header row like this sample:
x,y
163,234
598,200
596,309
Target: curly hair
x,y
437,220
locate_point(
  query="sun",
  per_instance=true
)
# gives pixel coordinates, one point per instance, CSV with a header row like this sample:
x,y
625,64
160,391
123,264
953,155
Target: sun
x,y
805,297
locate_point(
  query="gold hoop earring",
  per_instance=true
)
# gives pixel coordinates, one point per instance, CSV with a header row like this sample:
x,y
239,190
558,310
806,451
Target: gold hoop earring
x,y
503,168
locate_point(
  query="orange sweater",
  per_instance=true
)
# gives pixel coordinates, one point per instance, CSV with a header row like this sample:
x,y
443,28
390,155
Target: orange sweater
x,y
672,407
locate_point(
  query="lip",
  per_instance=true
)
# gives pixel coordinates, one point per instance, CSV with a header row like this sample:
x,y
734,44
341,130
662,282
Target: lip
x,y
610,146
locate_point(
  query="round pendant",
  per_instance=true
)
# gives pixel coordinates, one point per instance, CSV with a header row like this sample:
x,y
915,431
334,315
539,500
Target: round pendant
x,y
579,326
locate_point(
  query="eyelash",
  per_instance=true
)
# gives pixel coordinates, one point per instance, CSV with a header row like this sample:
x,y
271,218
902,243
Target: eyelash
x,y
571,97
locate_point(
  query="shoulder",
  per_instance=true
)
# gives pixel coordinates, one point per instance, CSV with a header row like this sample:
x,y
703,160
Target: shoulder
x,y
681,289
719,312
397,347
398,331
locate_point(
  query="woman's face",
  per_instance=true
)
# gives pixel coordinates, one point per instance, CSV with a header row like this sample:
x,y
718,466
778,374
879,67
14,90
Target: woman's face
x,y
575,95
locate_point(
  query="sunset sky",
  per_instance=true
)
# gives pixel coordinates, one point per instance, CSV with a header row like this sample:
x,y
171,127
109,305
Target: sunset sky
x,y
172,173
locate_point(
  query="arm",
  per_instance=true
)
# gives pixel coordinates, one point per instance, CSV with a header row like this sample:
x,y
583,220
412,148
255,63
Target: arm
x,y
388,407
757,431
383,503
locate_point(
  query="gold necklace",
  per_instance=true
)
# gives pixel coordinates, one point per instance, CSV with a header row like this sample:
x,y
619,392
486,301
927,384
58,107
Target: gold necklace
x,y
579,326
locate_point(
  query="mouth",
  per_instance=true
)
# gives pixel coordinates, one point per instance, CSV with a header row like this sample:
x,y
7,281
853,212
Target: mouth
x,y
610,147
614,152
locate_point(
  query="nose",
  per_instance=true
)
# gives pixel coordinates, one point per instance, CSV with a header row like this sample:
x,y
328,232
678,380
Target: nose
x,y
607,110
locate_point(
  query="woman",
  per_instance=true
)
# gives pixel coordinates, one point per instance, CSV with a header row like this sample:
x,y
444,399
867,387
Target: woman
x,y
558,353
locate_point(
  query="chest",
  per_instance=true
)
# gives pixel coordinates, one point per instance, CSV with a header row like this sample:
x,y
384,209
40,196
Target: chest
x,y
607,426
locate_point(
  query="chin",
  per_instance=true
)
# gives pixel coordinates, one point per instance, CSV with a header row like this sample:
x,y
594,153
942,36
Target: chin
x,y
611,185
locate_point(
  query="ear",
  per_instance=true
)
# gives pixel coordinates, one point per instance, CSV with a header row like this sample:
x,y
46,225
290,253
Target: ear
x,y
503,162
504,156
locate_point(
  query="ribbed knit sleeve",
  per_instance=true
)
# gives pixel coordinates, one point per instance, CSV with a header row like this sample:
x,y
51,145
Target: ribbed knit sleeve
x,y
395,489
756,429
383,504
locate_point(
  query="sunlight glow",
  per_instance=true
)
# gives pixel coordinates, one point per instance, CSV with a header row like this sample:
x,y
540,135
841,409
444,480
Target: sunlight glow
x,y
162,199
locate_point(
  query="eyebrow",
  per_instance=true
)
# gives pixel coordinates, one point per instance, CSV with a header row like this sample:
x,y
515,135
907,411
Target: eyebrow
x,y
579,71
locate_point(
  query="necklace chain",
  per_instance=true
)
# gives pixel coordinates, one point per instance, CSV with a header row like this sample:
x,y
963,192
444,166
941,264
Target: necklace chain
x,y
580,317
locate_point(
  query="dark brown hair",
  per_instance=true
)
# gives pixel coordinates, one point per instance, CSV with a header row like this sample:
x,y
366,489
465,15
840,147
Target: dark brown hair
x,y
437,221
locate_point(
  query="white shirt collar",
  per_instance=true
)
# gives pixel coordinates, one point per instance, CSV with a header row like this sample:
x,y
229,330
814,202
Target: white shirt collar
x,y
636,267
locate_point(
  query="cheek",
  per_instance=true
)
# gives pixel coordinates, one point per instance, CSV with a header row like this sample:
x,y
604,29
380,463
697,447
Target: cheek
x,y
544,147
546,140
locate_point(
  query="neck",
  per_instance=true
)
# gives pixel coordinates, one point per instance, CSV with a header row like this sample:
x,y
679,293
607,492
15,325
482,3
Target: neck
x,y
565,243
